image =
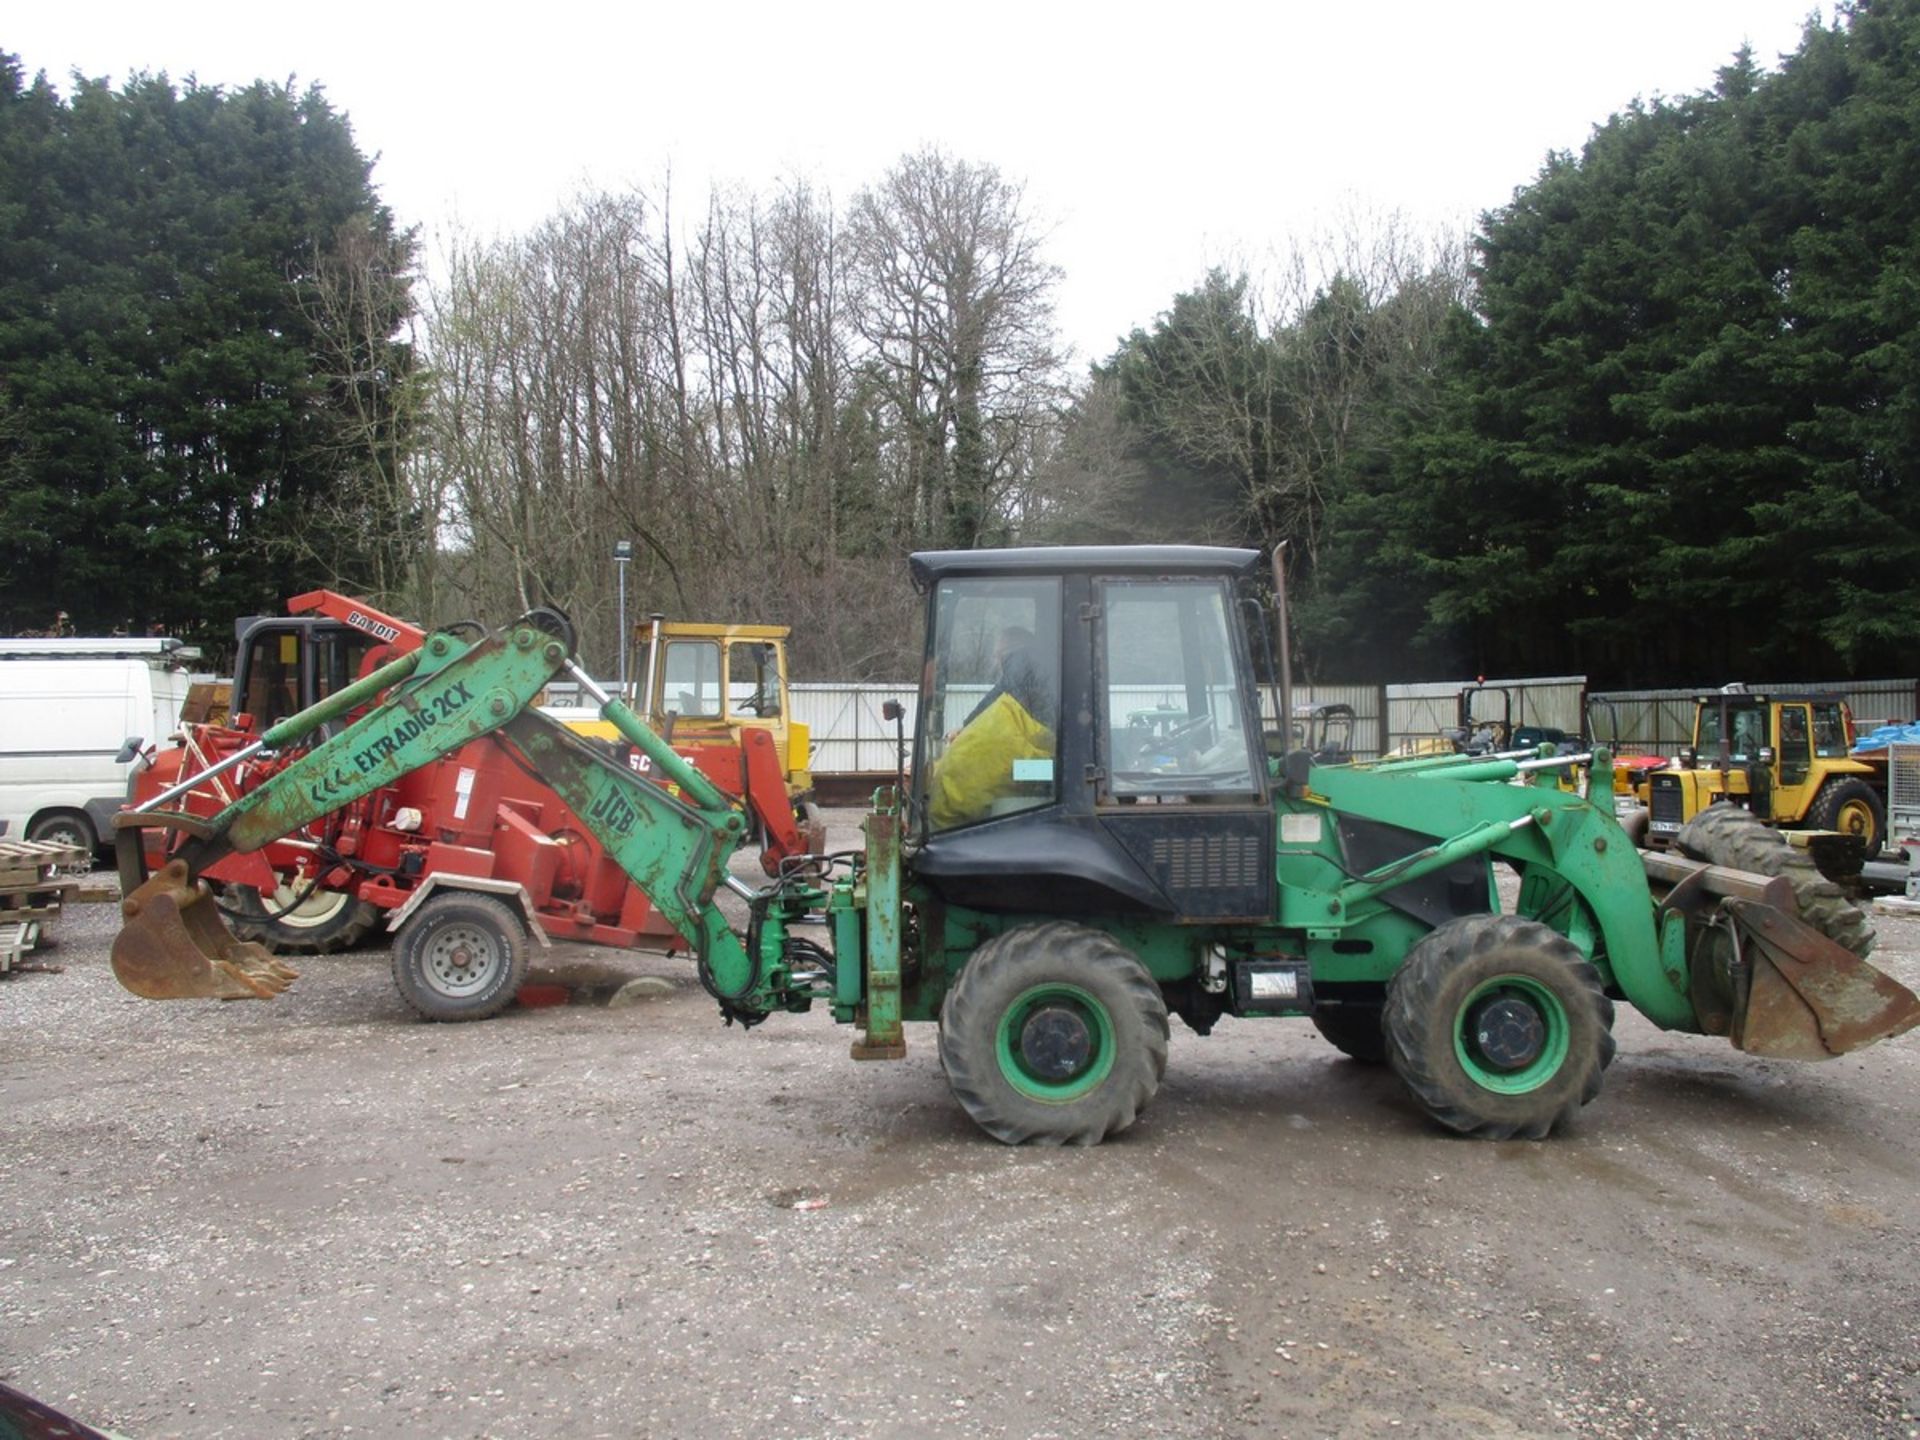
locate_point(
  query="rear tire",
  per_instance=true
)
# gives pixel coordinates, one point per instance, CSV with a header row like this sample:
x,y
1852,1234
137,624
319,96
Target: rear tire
x,y
1852,808
460,957
1726,835
1499,1027
1053,1034
1356,1031
324,922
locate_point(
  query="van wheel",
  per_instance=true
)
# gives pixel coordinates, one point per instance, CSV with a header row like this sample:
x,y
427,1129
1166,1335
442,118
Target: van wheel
x,y
66,827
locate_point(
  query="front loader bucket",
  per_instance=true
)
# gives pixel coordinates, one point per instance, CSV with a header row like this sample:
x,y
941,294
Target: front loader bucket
x,y
175,946
1798,995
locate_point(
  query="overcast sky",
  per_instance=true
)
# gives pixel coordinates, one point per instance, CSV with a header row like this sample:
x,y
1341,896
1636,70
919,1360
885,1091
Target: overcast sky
x,y
1152,141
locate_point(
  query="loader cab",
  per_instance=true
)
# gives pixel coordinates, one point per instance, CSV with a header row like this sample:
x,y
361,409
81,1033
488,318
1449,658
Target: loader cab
x,y
1088,738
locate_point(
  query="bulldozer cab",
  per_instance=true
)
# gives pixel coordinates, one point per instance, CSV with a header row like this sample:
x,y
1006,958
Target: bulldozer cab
x,y
1324,731
702,685
1485,718
1088,739
1785,757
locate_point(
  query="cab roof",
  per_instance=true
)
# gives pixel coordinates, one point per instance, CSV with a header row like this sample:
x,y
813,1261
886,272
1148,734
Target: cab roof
x,y
930,566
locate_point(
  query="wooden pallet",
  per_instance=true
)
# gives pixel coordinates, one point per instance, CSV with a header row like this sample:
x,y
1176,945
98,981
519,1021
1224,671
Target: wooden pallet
x,y
25,862
17,937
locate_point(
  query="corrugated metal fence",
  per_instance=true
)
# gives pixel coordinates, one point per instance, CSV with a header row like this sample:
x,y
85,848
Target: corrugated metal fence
x,y
849,734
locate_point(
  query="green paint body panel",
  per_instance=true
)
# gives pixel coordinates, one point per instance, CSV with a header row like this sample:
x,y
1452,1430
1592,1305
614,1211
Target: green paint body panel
x,y
881,960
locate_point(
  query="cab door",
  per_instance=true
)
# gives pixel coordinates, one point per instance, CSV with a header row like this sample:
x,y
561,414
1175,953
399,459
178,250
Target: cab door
x,y
1793,742
1181,778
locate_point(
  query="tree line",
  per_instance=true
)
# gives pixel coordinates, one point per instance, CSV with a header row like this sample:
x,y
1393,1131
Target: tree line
x,y
1652,421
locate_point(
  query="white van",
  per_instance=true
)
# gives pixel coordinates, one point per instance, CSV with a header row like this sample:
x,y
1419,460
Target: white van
x,y
67,709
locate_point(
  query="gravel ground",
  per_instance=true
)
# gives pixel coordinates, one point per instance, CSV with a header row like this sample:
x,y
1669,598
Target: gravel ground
x,y
317,1217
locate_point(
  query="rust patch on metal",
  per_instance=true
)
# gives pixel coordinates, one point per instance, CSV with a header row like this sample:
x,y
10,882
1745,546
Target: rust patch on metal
x,y
175,946
1806,997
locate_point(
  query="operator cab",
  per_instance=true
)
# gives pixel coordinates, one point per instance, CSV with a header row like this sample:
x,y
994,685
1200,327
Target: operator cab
x,y
286,663
1088,736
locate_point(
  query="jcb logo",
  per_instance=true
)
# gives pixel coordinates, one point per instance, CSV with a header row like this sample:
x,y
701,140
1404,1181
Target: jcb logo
x,y
614,812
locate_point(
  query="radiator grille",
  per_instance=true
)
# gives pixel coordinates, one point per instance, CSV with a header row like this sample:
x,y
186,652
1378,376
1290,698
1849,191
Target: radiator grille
x,y
1665,804
1206,862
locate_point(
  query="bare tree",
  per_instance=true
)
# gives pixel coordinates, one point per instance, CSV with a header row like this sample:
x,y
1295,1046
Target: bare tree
x,y
369,533
953,297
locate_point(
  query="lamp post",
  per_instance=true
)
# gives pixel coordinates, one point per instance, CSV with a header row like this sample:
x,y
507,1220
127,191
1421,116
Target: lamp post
x,y
622,553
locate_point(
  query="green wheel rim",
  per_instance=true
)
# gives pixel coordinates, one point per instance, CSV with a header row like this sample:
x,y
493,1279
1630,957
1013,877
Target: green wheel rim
x,y
1046,1002
1488,1073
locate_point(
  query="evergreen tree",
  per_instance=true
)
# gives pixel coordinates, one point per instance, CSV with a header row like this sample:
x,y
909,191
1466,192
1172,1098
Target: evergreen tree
x,y
170,408
1682,449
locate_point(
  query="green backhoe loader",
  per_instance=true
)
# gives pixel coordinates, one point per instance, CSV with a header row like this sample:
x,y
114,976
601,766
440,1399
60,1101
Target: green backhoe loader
x,y
1090,839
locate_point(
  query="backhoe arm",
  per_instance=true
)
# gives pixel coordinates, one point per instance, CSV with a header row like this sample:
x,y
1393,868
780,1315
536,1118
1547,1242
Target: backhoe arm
x,y
674,841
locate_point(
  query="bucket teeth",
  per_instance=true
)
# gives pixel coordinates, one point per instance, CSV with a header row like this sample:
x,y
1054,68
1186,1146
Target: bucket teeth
x,y
175,946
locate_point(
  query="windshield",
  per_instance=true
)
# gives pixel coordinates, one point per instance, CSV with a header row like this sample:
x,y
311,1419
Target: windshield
x,y
1747,725
989,701
691,687
1175,701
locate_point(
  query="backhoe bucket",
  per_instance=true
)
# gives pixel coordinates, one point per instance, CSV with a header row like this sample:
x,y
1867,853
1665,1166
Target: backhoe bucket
x,y
175,946
1798,995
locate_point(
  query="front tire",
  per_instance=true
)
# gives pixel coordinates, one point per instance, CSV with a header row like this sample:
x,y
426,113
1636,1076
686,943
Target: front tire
x,y
1852,808
460,957
1499,1027
1053,1034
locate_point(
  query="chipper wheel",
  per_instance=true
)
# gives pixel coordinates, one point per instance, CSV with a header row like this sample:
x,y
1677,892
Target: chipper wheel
x,y
460,957
1499,1027
1054,1034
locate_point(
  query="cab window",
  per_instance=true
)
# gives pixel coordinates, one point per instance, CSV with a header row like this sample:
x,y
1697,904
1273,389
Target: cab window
x,y
338,660
753,679
690,671
1796,744
1176,717
1748,729
273,678
1829,731
989,701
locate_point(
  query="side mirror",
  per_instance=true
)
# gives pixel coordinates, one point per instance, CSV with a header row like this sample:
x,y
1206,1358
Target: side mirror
x,y
892,710
129,749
